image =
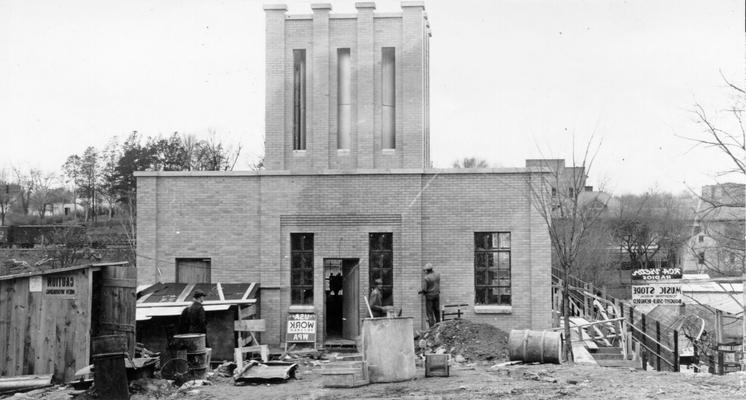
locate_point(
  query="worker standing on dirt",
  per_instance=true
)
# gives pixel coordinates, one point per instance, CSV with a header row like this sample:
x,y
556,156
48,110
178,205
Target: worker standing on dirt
x,y
431,290
376,299
193,317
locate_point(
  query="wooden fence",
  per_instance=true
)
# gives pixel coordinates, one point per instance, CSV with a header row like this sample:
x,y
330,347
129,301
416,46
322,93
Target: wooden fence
x,y
639,334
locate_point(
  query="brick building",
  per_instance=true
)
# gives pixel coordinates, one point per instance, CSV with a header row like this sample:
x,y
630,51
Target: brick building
x,y
348,194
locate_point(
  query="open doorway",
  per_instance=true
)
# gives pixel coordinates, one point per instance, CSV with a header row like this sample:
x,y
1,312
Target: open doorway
x,y
342,289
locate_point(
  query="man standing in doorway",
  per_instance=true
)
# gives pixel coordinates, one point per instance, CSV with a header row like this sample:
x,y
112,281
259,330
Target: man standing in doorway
x,y
431,290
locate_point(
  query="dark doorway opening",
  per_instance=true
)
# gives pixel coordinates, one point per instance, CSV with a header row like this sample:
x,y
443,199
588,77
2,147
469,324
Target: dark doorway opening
x,y
341,287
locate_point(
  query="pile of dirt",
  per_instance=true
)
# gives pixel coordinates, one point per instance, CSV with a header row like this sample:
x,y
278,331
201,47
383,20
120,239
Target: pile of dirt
x,y
469,340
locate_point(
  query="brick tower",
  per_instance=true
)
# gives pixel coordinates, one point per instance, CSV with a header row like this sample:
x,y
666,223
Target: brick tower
x,y
347,91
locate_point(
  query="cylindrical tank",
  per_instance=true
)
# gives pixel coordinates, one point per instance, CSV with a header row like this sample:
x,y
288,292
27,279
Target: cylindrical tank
x,y
117,303
535,346
388,344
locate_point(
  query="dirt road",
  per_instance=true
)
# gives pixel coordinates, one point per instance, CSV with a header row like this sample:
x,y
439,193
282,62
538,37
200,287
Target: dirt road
x,y
534,382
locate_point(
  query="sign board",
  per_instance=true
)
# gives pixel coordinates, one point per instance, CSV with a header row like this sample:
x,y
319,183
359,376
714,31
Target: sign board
x,y
656,274
60,285
34,284
657,294
301,328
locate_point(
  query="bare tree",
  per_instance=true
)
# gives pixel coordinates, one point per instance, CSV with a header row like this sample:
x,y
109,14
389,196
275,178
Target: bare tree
x,y
25,182
44,194
569,218
470,162
649,228
8,192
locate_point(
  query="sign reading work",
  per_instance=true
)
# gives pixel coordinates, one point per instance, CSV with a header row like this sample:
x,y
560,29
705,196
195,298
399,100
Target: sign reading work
x,y
60,285
301,328
656,294
656,274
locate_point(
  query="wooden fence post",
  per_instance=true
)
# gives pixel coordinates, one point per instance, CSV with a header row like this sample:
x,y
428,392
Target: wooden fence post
x,y
676,351
644,338
658,346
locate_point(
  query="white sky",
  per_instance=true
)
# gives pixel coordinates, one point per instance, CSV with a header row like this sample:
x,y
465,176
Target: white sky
x,y
510,79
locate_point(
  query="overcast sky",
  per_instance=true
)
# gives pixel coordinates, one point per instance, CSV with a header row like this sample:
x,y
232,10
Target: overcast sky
x,y
510,80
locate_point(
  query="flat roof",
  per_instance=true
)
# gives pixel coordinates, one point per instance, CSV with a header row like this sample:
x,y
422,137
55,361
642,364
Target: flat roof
x,y
58,270
403,171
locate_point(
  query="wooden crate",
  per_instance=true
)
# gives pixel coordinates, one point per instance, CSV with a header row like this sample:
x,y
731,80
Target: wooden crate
x,y
345,374
437,365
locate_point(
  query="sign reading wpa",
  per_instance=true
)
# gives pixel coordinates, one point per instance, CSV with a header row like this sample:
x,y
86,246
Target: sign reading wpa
x,y
301,328
657,294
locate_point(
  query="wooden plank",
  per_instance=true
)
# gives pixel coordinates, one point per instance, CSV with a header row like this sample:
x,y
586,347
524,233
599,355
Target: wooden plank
x,y
220,291
204,303
4,326
250,325
144,298
246,312
238,353
249,291
184,293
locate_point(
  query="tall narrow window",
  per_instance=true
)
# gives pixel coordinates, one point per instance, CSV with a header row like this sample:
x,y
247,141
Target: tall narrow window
x,y
492,268
344,98
299,99
382,264
301,268
388,93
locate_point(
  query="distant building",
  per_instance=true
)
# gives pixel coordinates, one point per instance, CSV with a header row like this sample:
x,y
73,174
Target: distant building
x,y
717,243
348,192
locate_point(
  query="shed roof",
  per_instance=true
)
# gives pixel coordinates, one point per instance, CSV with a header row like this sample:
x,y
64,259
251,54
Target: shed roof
x,y
168,299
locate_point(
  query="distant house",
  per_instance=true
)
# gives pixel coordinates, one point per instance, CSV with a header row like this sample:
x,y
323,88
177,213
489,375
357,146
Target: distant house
x,y
717,243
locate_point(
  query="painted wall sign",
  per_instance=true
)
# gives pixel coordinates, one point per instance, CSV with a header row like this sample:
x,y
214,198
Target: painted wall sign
x,y
301,328
34,284
656,274
60,285
657,294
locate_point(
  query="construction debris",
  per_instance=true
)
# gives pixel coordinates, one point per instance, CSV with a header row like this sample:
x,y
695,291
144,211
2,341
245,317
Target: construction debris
x,y
255,371
464,340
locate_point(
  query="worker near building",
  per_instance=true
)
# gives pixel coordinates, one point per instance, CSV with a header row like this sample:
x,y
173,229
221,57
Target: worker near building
x,y
193,317
376,299
431,291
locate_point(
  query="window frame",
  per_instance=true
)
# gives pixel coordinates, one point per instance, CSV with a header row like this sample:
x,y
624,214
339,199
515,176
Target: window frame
x,y
375,271
493,254
305,287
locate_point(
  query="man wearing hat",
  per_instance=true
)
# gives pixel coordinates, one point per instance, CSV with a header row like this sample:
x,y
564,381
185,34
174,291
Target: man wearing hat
x,y
376,299
193,317
431,290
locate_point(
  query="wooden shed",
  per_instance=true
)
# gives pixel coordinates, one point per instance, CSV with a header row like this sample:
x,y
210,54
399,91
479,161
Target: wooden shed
x,y
159,308
46,317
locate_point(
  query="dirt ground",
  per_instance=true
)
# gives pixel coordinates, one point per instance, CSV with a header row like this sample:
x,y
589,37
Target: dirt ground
x,y
482,381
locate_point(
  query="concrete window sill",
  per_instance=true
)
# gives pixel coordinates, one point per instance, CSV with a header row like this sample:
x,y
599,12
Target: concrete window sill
x,y
343,151
493,309
388,151
301,309
299,153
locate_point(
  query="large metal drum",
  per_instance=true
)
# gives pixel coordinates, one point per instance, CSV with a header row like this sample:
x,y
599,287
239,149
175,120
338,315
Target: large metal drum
x,y
388,344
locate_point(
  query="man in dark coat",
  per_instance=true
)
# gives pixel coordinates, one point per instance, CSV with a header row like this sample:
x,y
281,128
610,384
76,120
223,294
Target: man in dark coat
x,y
193,317
376,299
431,290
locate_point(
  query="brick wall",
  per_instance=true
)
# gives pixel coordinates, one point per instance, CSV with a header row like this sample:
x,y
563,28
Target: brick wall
x,y
243,223
321,33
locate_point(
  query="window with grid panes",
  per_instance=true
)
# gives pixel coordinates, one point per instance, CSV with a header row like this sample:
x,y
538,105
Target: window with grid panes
x,y
381,264
301,268
492,268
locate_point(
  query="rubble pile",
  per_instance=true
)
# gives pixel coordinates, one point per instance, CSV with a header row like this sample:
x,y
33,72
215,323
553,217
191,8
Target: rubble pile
x,y
464,341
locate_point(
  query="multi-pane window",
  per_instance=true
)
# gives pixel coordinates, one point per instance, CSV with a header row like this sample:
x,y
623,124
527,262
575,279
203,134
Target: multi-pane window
x,y
382,264
301,268
299,99
701,257
492,268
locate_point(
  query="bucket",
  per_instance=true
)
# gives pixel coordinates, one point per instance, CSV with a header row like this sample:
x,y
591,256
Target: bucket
x,y
388,344
535,346
191,342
